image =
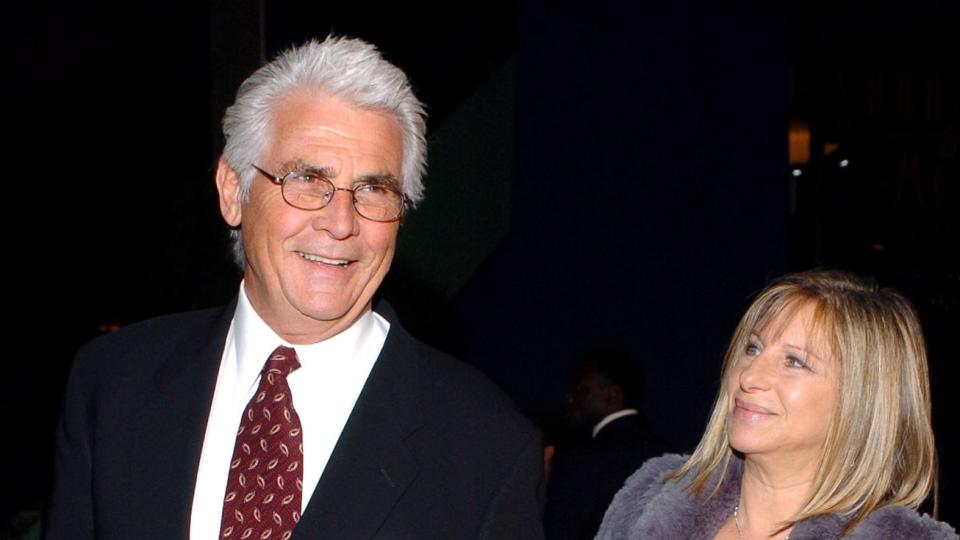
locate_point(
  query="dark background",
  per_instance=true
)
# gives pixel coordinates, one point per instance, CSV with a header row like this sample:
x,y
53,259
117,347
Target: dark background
x,y
600,175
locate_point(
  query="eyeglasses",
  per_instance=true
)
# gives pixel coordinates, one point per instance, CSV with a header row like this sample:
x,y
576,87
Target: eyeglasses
x,y
310,191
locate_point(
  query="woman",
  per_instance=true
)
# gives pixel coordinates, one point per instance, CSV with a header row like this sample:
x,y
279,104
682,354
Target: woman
x,y
821,428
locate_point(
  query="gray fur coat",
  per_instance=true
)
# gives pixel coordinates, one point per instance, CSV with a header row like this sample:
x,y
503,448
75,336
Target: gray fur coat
x,y
646,508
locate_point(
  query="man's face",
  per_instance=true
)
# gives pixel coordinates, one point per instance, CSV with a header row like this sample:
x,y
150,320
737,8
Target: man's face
x,y
311,274
589,400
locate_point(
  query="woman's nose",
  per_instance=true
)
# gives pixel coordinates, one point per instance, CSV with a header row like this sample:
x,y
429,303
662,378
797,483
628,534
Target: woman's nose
x,y
755,374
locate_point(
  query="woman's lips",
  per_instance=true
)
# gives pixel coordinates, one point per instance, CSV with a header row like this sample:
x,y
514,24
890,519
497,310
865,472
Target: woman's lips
x,y
750,410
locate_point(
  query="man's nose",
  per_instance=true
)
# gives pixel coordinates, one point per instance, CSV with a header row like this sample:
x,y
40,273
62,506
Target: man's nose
x,y
339,217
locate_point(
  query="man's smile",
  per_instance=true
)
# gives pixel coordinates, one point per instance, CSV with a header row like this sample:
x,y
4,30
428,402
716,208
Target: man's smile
x,y
320,259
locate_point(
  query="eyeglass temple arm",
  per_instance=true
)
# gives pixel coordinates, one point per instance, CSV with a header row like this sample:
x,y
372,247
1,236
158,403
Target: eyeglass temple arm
x,y
278,180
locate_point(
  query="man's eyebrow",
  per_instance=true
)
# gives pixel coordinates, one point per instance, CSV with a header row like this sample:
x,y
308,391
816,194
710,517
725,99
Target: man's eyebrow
x,y
302,167
386,179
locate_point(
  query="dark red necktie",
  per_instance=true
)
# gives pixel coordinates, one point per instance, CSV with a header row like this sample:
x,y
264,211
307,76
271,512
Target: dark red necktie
x,y
265,486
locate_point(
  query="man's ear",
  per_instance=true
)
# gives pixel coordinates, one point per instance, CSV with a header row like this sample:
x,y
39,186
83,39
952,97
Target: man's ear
x,y
228,186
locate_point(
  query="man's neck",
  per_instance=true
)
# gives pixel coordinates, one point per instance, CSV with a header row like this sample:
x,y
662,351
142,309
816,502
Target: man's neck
x,y
301,329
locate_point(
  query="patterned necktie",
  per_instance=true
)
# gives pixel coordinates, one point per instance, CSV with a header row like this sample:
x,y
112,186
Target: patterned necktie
x,y
265,486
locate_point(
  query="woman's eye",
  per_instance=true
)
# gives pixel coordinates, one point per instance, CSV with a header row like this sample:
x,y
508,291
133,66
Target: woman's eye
x,y
796,362
752,349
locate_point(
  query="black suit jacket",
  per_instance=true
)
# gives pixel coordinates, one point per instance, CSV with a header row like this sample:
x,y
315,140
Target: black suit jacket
x,y
431,449
585,478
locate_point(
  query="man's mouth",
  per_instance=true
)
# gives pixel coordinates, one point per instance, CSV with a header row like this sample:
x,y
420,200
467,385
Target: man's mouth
x,y
318,259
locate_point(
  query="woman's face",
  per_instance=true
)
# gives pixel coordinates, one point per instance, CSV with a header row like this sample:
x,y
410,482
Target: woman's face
x,y
783,391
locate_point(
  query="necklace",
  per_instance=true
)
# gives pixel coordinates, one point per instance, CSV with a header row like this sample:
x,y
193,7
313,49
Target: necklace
x,y
736,521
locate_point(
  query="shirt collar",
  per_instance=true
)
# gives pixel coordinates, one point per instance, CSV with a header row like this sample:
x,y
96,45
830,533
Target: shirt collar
x,y
255,340
611,417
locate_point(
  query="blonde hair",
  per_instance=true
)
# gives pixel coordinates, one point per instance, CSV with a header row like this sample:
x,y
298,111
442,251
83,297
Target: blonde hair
x,y
879,447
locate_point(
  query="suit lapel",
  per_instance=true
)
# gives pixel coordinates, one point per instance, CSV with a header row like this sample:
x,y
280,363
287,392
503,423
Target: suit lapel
x,y
170,437
370,467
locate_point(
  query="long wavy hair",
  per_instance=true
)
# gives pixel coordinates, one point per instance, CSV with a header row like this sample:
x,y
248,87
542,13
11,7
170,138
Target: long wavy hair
x,y
879,449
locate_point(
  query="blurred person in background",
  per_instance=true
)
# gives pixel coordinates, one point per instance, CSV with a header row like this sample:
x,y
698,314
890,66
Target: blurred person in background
x,y
611,439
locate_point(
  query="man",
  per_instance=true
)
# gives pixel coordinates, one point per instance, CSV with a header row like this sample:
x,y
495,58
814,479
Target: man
x,y
297,411
602,406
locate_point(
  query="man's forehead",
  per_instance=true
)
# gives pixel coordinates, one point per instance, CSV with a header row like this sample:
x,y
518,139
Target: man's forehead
x,y
318,130
325,112
332,130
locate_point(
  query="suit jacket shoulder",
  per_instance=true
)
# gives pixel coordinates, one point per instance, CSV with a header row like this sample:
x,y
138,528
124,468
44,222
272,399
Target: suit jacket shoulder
x,y
152,342
587,476
129,438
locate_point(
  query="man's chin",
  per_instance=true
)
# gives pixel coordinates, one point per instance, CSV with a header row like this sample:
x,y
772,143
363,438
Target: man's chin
x,y
342,313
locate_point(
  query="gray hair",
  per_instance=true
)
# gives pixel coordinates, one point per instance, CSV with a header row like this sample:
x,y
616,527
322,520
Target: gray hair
x,y
348,68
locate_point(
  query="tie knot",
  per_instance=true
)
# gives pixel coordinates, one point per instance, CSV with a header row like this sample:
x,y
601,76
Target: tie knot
x,y
282,361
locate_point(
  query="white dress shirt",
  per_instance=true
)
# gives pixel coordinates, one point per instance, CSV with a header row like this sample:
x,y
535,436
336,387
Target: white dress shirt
x,y
324,389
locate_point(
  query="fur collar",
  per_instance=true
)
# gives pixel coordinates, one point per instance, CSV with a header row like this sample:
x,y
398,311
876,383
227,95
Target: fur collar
x,y
646,508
